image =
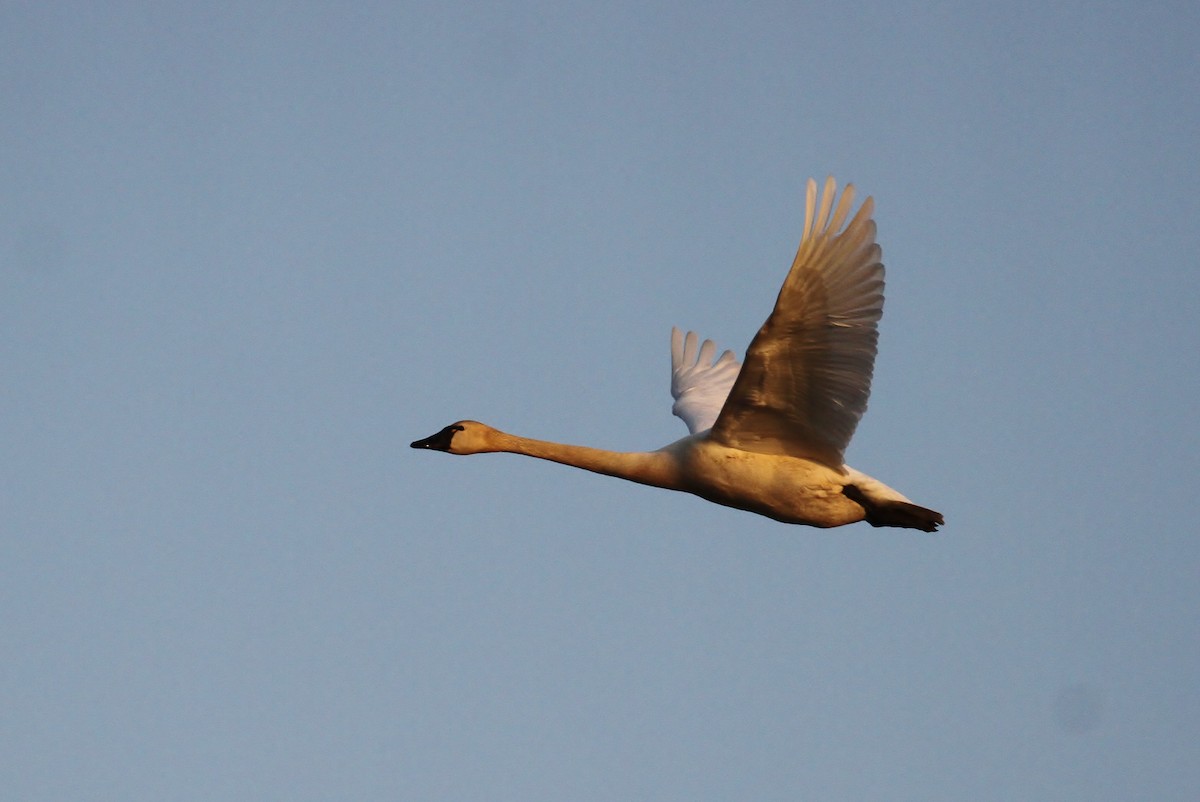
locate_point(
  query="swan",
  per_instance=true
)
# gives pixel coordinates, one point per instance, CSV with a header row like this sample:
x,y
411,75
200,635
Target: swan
x,y
767,435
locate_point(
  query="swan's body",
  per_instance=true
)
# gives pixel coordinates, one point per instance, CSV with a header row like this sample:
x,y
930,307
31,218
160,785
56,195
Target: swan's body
x,y
767,436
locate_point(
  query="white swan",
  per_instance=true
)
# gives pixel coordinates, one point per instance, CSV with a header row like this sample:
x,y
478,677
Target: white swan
x,y
767,436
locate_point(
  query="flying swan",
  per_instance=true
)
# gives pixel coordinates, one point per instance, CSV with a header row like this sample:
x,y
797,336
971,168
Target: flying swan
x,y
767,436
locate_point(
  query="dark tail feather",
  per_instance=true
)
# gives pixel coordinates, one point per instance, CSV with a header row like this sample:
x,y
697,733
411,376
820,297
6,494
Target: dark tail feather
x,y
895,513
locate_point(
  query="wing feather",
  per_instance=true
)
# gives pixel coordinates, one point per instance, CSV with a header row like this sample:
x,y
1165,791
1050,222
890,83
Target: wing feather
x,y
807,375
699,385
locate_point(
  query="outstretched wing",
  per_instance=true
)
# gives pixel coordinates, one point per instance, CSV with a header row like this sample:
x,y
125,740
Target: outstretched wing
x,y
807,375
698,384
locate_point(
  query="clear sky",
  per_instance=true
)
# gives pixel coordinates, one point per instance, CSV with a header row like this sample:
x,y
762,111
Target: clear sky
x,y
250,251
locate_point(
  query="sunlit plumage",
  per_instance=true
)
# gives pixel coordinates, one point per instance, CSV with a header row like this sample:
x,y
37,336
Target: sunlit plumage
x,y
767,435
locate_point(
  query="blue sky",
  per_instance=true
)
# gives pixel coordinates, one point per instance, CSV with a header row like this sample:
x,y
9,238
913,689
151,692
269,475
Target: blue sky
x,y
248,254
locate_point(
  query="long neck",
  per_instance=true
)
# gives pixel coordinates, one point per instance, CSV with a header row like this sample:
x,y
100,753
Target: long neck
x,y
658,468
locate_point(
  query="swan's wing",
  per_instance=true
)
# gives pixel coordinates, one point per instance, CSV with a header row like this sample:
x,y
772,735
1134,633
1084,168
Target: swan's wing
x,y
698,384
807,374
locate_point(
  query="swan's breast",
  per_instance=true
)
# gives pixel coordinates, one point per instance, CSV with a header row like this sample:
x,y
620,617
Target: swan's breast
x,y
788,489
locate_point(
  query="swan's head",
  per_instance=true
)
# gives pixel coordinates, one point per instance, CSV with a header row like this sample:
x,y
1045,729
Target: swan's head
x,y
464,437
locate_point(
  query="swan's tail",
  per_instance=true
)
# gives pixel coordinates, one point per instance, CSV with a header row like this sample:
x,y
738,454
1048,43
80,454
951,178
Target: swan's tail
x,y
895,513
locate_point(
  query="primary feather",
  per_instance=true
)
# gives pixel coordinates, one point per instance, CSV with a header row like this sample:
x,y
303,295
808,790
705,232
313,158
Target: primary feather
x,y
807,375
699,385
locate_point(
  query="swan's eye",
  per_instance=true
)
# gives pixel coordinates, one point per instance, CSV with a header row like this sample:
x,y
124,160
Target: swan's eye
x,y
441,440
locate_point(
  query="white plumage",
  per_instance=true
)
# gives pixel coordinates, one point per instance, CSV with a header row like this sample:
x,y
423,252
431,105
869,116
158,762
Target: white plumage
x,y
699,385
768,435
